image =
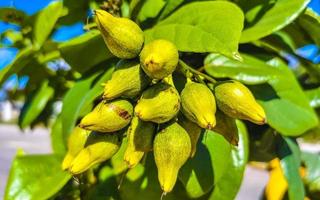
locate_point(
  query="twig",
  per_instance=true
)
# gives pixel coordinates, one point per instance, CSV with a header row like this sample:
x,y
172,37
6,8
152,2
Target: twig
x,y
194,71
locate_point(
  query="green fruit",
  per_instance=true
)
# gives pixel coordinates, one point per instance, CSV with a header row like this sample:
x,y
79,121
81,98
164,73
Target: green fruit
x,y
108,117
140,140
199,105
123,37
159,58
76,142
128,80
236,100
99,148
227,127
193,130
158,104
172,147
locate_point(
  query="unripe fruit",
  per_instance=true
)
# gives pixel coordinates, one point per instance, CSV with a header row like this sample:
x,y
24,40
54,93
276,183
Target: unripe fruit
x,y
108,117
199,105
123,37
226,126
140,140
128,80
159,58
158,104
236,100
193,130
76,142
172,147
99,148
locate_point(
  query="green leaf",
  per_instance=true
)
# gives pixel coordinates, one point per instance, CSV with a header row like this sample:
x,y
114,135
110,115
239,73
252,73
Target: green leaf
x,y
12,15
58,142
280,14
35,105
314,97
170,6
287,107
80,97
210,29
310,12
35,177
312,163
23,57
311,26
150,9
200,173
289,154
45,22
85,51
229,184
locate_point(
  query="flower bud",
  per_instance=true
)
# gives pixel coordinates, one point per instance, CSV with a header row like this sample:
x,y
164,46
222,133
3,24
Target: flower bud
x,y
159,58
128,80
172,147
199,105
108,117
236,100
99,148
140,140
159,103
76,142
123,37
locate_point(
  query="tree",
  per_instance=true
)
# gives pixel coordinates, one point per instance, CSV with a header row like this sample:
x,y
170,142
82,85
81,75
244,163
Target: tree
x,y
253,42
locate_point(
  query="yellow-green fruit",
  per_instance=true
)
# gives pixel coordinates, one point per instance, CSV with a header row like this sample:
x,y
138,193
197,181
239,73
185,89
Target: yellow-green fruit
x,y
140,140
199,105
226,126
99,148
159,58
108,117
123,37
236,100
193,130
158,104
172,147
128,80
76,142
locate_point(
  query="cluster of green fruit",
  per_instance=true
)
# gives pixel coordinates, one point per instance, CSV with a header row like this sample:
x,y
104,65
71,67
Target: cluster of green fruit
x,y
162,120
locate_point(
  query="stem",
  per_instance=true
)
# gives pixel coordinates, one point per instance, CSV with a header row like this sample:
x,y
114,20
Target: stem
x,y
196,72
89,26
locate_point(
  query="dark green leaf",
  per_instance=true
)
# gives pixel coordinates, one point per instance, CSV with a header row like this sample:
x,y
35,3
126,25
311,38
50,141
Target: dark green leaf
x,y
210,29
289,154
85,51
35,177
12,15
81,97
287,107
229,184
200,173
45,21
272,19
314,97
35,105
311,26
23,57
